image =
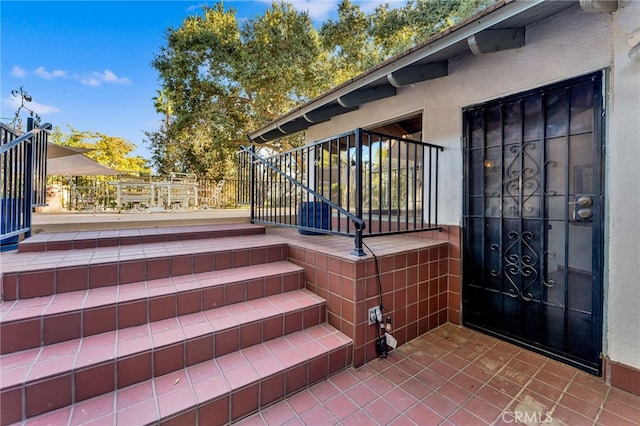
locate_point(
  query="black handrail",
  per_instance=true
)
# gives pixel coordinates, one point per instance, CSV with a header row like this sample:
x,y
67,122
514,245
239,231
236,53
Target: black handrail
x,y
358,222
346,184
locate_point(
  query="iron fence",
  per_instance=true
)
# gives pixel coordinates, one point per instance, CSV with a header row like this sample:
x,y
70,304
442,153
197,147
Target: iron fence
x,y
99,194
359,183
23,174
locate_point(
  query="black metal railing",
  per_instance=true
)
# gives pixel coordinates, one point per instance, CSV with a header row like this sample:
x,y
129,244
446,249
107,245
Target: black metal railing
x,y
359,183
23,170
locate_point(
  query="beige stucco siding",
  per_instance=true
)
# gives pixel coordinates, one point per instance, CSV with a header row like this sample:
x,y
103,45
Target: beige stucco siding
x,y
622,246
567,45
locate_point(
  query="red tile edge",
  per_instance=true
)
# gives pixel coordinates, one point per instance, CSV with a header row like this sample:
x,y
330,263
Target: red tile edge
x,y
622,376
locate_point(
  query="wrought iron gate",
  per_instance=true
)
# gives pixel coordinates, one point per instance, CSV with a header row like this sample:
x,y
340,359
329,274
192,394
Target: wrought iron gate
x,y
533,217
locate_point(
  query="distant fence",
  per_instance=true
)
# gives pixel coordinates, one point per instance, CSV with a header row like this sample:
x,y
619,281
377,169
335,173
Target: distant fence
x,y
78,193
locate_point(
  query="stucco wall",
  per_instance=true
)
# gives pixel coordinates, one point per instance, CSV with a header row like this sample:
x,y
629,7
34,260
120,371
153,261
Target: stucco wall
x,y
569,44
622,253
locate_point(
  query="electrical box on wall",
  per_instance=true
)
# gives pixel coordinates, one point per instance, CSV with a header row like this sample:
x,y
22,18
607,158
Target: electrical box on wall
x,y
375,315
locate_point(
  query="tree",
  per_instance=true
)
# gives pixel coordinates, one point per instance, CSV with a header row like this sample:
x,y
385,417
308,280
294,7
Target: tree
x,y
220,80
358,41
165,155
349,41
224,80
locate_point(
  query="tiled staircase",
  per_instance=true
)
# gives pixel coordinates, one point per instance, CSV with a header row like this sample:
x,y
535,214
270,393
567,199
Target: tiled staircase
x,y
182,325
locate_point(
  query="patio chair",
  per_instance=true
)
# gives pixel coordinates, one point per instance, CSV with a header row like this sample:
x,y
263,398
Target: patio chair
x,y
216,198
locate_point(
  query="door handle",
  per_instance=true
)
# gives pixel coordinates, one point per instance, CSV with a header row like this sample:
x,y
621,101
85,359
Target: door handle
x,y
585,214
582,208
585,201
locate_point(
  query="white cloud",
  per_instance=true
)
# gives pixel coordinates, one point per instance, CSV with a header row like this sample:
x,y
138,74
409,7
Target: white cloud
x,y
93,79
318,10
321,10
19,72
14,103
369,6
196,7
97,78
43,73
90,81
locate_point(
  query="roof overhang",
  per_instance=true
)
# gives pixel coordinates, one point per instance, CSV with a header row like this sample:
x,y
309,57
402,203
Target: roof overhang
x,y
499,27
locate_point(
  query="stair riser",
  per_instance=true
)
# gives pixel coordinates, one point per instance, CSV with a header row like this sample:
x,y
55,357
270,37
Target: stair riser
x,y
82,322
125,369
219,410
24,285
178,331
31,247
251,398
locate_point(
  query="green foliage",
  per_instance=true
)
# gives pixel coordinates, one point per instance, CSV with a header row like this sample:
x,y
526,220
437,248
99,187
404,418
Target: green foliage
x,y
350,43
222,79
283,61
359,41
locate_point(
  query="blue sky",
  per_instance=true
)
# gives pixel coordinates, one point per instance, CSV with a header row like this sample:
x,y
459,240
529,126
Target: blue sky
x,y
87,63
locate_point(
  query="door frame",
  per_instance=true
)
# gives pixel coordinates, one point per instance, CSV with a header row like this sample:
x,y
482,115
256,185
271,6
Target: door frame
x,y
598,248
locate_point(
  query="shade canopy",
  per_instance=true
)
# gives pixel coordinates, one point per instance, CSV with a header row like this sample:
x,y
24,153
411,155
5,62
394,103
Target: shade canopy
x,y
77,165
57,151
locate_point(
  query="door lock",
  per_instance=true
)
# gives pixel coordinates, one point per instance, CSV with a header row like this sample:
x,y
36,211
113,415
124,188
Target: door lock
x,y
582,208
584,201
585,214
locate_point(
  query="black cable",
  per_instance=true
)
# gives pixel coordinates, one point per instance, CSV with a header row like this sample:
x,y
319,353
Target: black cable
x,y
381,342
375,258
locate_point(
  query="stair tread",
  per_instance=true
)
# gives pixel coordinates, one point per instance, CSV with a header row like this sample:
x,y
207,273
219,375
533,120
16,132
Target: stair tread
x,y
85,239
62,358
163,397
39,261
25,309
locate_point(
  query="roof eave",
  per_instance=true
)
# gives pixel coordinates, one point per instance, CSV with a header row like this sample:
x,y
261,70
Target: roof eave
x,y
484,20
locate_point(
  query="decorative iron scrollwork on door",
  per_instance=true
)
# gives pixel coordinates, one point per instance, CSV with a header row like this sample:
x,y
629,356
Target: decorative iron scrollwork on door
x,y
521,181
520,265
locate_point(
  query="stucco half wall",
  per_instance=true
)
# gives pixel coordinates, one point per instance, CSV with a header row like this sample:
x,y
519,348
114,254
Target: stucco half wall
x,y
569,44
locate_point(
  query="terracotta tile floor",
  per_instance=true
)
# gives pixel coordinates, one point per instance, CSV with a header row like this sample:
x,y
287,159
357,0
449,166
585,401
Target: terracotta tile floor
x,y
456,376
14,261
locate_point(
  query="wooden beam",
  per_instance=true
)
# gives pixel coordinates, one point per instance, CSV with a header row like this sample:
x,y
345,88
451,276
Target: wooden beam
x,y
416,73
323,114
362,96
272,135
489,41
294,126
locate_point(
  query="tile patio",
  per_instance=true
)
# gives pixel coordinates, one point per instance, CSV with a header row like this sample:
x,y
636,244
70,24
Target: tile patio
x,y
450,375
456,376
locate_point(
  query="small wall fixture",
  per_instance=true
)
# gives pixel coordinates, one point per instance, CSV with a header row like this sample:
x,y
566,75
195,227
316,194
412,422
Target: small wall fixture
x,y
633,41
596,6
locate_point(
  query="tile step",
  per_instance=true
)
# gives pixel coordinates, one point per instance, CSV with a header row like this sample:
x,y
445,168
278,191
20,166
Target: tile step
x,y
52,241
30,323
105,362
212,392
28,275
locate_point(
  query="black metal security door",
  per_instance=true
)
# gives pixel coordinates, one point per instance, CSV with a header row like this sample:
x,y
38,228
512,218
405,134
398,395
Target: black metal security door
x,y
533,215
